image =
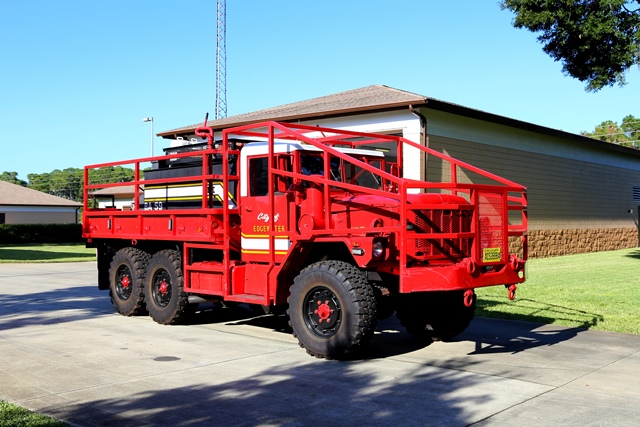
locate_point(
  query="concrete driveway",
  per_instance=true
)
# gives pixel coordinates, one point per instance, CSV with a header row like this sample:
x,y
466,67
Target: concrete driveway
x,y
66,353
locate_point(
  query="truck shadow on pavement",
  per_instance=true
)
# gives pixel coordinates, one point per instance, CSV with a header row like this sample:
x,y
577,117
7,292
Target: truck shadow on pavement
x,y
390,338
487,335
241,314
513,336
532,309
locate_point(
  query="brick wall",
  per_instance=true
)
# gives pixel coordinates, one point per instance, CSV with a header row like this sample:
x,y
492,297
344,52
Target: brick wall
x,y
575,206
549,243
563,193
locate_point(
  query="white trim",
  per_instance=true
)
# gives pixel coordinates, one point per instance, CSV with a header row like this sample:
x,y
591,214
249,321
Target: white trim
x,y
38,209
262,244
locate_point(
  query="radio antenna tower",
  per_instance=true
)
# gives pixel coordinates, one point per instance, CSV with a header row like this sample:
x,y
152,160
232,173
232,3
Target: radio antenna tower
x,y
221,61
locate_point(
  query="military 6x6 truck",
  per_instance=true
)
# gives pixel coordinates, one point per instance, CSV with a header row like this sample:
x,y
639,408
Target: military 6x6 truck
x,y
320,222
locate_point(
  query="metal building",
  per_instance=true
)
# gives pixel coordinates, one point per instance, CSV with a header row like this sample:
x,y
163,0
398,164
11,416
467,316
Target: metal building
x,y
584,194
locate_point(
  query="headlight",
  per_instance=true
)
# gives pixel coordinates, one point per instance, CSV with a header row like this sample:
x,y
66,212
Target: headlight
x,y
378,248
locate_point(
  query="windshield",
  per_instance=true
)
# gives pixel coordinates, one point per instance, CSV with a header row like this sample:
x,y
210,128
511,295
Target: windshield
x,y
341,171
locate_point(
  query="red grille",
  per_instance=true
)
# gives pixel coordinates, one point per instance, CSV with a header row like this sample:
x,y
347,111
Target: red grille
x,y
491,214
442,221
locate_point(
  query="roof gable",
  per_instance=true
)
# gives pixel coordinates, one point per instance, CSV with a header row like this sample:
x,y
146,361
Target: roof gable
x,y
351,101
125,190
12,194
380,98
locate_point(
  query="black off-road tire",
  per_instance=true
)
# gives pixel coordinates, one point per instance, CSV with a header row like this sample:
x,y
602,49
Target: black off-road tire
x,y
332,309
435,316
166,300
126,281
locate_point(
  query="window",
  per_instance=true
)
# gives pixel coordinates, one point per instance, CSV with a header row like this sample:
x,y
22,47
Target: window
x,y
259,176
636,193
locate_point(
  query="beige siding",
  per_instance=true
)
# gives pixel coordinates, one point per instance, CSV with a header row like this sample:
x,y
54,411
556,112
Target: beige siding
x,y
40,217
563,193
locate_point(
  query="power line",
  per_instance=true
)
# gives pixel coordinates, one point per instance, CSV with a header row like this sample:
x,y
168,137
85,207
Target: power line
x,y
604,124
617,133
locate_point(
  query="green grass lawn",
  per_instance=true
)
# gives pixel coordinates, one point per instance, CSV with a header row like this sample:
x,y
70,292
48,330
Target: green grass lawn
x,y
15,416
70,252
596,291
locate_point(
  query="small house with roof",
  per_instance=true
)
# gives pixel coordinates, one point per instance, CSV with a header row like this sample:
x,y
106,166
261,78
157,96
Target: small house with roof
x,y
21,205
115,197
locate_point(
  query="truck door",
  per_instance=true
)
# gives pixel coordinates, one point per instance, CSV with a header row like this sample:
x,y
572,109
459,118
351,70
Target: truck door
x,y
259,219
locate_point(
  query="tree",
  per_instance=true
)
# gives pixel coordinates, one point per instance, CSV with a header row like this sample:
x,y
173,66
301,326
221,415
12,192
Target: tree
x,y
596,40
627,133
631,127
12,177
68,183
39,181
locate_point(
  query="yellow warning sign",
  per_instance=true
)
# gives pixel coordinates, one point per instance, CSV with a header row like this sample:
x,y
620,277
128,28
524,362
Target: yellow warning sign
x,y
491,254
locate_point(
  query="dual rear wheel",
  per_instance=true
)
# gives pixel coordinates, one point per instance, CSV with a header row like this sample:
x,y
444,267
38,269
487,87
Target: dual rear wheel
x,y
126,281
141,283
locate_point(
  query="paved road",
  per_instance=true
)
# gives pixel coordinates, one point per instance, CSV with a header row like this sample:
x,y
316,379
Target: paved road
x,y
64,352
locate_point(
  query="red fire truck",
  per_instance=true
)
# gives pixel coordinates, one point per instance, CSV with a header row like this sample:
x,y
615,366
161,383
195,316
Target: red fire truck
x,y
319,221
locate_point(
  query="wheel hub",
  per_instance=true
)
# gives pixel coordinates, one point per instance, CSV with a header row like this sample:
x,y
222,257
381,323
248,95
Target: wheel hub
x,y
125,282
163,287
323,312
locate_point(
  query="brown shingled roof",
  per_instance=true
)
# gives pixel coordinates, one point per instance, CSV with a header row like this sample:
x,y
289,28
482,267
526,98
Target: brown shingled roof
x,y
12,194
380,98
125,190
368,98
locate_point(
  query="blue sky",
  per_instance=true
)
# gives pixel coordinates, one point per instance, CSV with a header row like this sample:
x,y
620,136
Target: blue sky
x,y
78,76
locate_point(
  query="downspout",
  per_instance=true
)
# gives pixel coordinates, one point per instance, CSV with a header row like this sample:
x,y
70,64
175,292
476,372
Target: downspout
x,y
423,134
423,126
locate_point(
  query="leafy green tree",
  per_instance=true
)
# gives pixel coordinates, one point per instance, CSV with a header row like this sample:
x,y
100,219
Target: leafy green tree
x,y
110,174
39,181
627,133
631,127
596,40
68,183
12,177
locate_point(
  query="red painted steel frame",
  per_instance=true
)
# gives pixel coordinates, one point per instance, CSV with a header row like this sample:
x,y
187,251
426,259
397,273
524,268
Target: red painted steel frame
x,y
212,226
512,196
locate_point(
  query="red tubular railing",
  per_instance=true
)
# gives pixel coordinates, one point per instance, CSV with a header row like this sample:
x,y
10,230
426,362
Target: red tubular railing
x,y
512,196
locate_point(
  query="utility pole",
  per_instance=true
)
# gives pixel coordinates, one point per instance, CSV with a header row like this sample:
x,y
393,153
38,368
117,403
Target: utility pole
x,y
221,61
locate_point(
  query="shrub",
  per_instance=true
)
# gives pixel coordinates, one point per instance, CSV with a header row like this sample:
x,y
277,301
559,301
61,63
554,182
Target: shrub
x,y
40,233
